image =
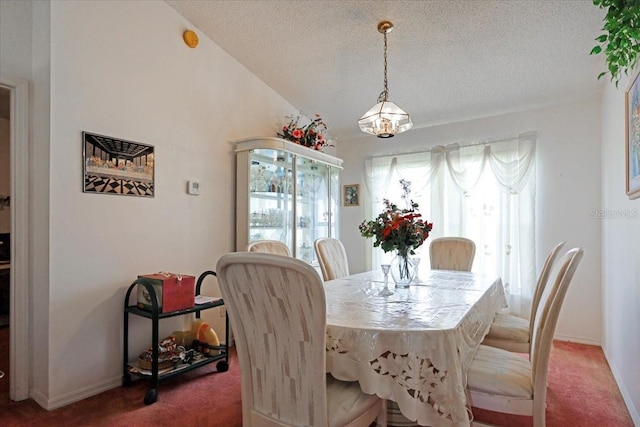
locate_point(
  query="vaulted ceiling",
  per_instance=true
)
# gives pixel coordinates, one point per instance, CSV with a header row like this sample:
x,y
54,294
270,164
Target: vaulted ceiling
x,y
448,60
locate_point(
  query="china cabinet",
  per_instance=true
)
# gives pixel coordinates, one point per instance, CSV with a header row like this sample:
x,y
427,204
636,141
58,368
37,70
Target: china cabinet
x,y
286,192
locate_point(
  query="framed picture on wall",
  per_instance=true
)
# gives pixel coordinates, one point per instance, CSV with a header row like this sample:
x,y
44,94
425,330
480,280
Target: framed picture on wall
x,y
351,195
117,166
632,143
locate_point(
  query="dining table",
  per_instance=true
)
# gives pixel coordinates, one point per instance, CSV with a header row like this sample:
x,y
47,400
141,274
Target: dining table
x,y
415,346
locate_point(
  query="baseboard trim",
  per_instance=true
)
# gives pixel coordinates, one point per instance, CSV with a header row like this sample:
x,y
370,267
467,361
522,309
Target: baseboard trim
x,y
77,395
66,399
39,398
578,340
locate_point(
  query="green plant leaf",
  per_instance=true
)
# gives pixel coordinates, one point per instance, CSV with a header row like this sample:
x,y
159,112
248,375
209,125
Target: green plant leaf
x,y
620,42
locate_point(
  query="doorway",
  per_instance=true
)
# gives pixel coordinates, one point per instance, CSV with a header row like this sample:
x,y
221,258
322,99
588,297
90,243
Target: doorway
x,y
18,206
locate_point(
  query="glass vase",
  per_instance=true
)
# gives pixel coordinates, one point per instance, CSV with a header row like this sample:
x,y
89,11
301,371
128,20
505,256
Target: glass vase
x,y
402,270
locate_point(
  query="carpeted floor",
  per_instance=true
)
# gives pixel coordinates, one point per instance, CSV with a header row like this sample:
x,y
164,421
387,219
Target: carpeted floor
x,y
202,397
581,393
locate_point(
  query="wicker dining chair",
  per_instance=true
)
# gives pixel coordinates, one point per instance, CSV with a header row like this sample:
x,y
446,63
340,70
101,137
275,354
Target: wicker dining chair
x,y
332,258
452,253
277,309
269,246
501,381
513,333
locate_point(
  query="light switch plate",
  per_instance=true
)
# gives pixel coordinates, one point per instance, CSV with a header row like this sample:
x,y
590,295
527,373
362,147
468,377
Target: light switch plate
x,y
193,187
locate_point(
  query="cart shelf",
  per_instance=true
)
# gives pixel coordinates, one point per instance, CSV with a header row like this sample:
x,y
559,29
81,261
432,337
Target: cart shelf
x,y
199,359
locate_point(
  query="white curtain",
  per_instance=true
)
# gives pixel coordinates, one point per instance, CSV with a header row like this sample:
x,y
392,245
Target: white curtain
x,y
483,191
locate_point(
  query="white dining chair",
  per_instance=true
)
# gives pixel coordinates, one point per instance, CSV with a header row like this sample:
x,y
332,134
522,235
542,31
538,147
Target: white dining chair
x,y
502,381
277,309
332,258
513,333
269,246
452,253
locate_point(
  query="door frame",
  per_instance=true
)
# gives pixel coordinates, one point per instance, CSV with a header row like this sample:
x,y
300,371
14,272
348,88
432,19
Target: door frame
x,y
19,354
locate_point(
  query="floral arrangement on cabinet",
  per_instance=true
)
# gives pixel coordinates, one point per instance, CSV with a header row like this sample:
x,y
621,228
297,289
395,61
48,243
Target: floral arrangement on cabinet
x,y
398,230
312,135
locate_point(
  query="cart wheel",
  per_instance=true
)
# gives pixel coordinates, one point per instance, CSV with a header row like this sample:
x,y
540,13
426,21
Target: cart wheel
x,y
222,366
151,396
126,380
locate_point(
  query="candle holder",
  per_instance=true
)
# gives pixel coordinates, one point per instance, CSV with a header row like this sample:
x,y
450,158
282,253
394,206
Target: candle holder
x,y
385,292
416,278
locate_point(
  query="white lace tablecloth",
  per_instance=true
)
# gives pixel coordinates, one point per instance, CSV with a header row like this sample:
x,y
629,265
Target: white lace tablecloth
x,y
415,346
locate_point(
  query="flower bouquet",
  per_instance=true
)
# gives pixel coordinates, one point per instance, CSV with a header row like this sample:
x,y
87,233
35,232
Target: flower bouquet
x,y
399,230
312,135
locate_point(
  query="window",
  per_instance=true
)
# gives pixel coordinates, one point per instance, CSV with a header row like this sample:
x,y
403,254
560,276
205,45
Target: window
x,y
484,191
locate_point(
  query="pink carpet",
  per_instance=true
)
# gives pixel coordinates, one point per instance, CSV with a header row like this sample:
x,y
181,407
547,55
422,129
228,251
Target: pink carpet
x,y
581,393
202,397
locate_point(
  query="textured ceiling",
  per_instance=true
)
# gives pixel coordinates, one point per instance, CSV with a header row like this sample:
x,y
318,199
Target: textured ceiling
x,y
448,60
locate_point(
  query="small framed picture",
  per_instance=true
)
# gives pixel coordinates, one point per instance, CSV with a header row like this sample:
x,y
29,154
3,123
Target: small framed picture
x,y
632,143
351,195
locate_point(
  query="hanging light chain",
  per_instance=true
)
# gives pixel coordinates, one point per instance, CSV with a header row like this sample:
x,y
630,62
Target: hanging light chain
x,y
384,95
385,119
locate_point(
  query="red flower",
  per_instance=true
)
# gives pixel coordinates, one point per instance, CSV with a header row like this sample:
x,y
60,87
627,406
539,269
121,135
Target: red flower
x,y
297,133
396,229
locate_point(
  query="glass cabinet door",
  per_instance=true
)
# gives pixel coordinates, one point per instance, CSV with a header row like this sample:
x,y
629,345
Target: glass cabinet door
x,y
312,206
334,201
285,192
270,196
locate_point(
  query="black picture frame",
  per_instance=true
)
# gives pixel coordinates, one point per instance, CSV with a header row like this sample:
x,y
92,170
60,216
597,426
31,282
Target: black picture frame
x,y
117,166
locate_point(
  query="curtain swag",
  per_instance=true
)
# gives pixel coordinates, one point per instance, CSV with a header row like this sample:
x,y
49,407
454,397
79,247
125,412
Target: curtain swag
x,y
510,170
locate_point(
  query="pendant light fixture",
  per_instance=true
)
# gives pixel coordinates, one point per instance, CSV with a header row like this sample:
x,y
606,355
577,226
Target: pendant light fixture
x,y
385,119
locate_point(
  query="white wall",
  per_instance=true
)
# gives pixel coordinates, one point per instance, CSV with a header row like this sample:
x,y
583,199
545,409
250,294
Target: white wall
x,y
567,186
620,256
121,69
15,43
39,184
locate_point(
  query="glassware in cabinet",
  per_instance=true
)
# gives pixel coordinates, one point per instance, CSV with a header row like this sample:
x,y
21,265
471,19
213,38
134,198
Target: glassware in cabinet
x,y
285,192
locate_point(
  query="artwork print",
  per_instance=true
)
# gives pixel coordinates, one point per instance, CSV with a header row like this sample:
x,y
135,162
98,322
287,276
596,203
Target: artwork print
x,y
632,144
117,166
351,196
